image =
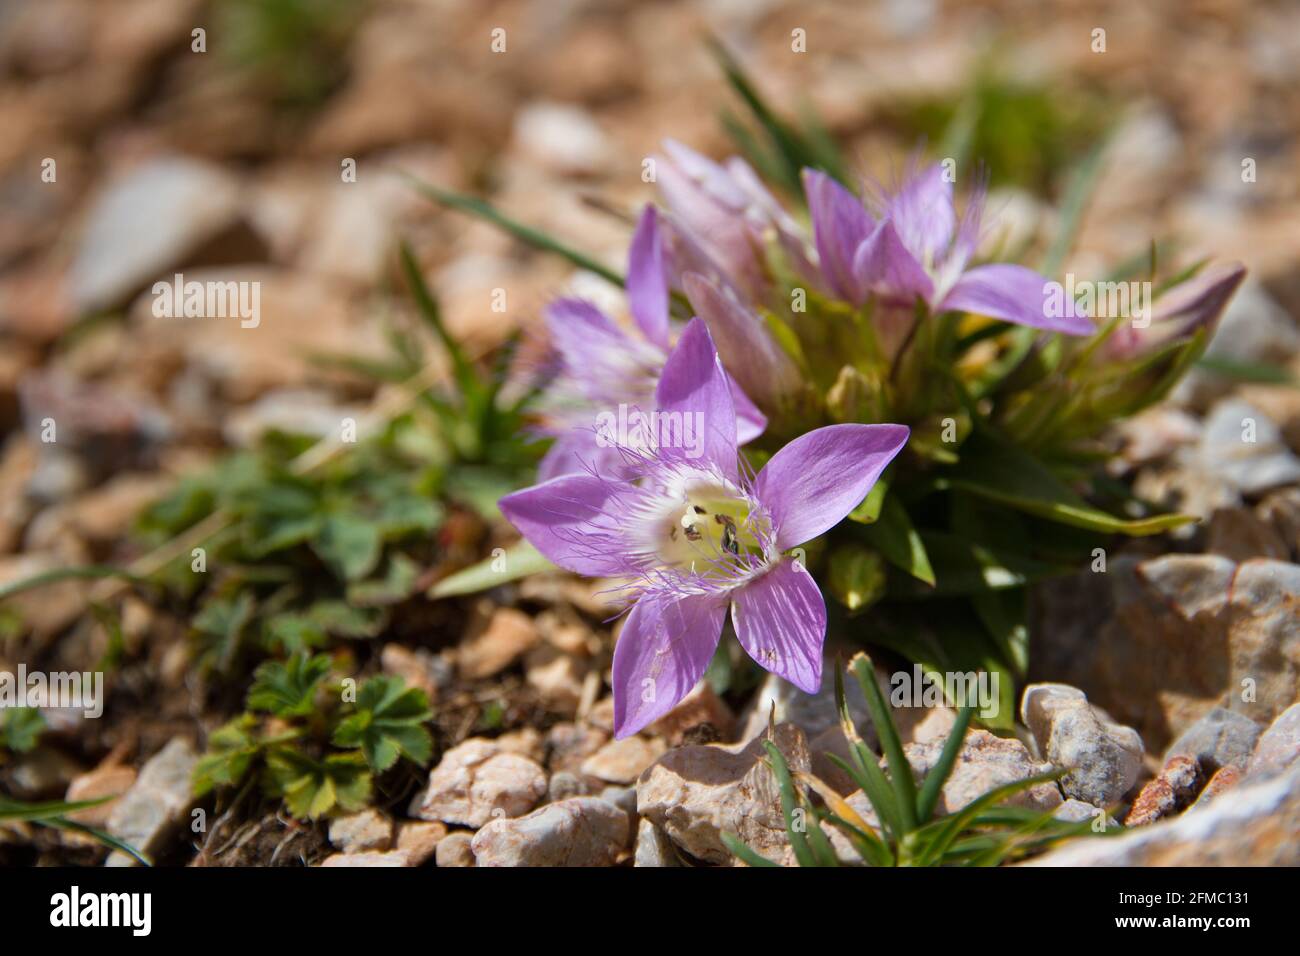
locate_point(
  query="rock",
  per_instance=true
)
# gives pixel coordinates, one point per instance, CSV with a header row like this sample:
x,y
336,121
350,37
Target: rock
x,y
106,780
625,799
580,831
160,801
984,762
1281,510
162,215
556,676
1104,758
367,830
1243,446
696,793
1219,739
621,761
419,841
1241,534
454,850
562,138
564,785
700,706
1174,789
1076,811
509,634
389,858
526,741
1159,643
477,781
571,744
1279,746
1251,825
417,667
653,848
1225,779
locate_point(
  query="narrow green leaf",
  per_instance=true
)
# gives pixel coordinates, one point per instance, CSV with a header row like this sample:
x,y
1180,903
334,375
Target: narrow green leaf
x,y
900,771
894,536
939,773
789,804
516,562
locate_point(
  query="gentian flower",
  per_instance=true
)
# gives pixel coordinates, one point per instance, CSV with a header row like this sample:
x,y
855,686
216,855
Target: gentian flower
x,y
1189,306
918,249
604,371
699,536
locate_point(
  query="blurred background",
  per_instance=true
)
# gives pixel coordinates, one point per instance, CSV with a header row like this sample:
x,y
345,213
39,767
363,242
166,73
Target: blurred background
x,y
145,138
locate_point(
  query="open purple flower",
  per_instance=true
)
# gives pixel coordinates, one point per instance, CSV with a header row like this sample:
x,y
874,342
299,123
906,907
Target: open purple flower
x,y
918,249
606,375
696,535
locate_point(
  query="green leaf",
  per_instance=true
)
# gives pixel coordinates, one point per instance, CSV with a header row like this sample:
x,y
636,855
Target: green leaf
x,y
289,689
388,723
868,512
231,751
395,586
789,804
894,537
40,812
900,770
21,728
1001,472
517,561
83,572
221,624
527,234
407,514
856,576
934,780
935,839
343,620
312,788
350,545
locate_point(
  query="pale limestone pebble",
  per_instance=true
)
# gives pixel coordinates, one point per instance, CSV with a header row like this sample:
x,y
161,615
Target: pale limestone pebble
x,y
419,841
418,668
1075,811
567,633
1103,757
106,780
984,763
564,785
583,594
580,831
696,793
455,850
1279,746
701,706
601,715
507,636
569,745
1221,738
622,761
477,781
526,741
1179,782
625,799
356,832
556,676
653,847
1243,446
564,139
1241,534
367,858
1253,824
1281,509
158,803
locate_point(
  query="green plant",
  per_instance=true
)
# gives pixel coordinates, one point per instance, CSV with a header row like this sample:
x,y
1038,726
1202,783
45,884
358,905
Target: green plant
x,y
20,729
986,832
311,746
54,814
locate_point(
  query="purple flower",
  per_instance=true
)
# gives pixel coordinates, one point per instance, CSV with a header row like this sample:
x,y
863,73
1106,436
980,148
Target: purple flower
x,y
1191,305
918,249
697,535
607,373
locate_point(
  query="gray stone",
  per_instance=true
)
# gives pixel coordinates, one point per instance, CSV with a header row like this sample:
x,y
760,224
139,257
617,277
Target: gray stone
x,y
1279,746
653,848
580,831
1103,757
477,781
1219,739
984,763
1253,466
157,804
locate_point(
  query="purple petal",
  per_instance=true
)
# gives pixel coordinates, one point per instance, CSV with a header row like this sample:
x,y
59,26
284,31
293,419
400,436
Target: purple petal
x,y
780,621
695,387
647,289
813,482
750,422
579,330
923,213
661,653
567,519
759,365
577,452
1017,294
840,224
882,263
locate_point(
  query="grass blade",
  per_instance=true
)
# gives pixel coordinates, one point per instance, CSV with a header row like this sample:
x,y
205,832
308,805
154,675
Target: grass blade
x,y
939,773
900,771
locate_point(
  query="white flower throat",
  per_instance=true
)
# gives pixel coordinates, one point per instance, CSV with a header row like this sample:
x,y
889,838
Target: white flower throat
x,y
713,528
